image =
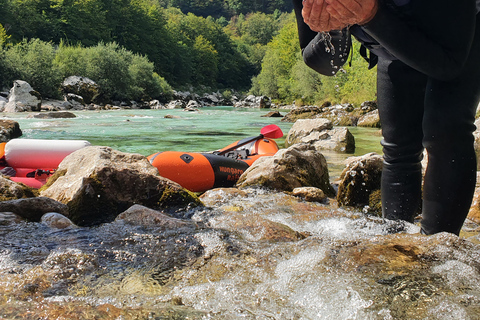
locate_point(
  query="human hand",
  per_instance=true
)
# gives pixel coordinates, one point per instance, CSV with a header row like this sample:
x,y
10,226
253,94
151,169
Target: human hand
x,y
317,17
327,15
352,11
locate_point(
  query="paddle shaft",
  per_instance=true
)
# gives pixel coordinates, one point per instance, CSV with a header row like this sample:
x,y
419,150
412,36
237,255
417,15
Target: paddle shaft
x,y
241,144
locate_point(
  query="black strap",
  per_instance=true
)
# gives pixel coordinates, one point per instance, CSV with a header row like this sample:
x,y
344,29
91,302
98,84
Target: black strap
x,y
372,58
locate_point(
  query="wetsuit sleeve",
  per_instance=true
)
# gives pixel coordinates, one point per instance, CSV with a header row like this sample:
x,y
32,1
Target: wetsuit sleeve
x,y
324,53
435,42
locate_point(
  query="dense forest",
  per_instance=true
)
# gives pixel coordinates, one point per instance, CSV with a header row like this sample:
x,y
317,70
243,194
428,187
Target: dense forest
x,y
142,49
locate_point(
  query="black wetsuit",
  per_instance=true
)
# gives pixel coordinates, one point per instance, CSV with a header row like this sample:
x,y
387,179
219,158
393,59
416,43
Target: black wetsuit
x,y
428,89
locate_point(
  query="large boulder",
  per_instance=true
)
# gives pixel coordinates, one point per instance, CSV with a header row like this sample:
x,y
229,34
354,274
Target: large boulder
x,y
304,127
252,101
300,165
359,184
98,183
22,98
84,87
9,129
370,119
321,134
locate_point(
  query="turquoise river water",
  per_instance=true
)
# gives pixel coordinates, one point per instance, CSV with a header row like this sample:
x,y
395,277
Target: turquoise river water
x,y
148,131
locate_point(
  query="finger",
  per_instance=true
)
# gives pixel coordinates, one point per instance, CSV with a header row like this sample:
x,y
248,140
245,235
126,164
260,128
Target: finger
x,y
317,6
341,13
345,9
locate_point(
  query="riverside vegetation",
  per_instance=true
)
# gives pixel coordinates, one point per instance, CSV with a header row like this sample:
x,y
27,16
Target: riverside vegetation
x,y
141,50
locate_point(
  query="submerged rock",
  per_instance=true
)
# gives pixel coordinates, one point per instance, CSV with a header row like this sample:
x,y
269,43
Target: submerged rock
x,y
143,216
54,115
218,195
300,165
56,220
7,218
98,183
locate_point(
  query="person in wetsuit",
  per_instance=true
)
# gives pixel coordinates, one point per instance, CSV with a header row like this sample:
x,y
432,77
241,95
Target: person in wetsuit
x,y
428,89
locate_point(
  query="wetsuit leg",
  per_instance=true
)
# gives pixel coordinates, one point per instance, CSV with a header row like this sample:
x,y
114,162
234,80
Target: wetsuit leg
x,y
401,92
448,125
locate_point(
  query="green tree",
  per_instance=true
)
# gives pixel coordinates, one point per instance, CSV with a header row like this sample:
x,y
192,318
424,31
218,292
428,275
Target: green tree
x,y
3,36
234,71
275,78
32,61
120,73
206,62
80,21
258,28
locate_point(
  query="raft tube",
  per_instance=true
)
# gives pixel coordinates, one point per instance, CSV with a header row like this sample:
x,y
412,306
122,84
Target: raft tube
x,y
35,160
198,172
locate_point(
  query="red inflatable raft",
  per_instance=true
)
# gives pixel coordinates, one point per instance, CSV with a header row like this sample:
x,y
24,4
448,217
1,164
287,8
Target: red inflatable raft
x,y
33,161
199,172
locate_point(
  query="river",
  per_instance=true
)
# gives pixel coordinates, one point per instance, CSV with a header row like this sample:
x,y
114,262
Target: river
x,y
252,255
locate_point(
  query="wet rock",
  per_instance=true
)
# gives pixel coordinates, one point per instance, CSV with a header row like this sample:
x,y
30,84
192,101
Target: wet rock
x,y
218,195
360,178
321,134
33,209
84,87
273,114
371,119
300,165
9,129
56,220
7,218
310,194
54,115
256,228
10,190
98,183
22,98
143,216
391,254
